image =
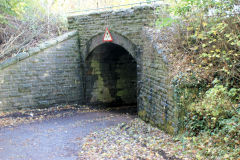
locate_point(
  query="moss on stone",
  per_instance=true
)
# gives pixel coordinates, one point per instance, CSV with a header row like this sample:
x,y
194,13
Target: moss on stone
x,y
100,92
152,122
126,94
169,128
142,114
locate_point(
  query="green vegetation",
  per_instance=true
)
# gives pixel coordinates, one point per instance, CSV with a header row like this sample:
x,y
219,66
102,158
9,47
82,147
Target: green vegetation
x,y
205,69
207,48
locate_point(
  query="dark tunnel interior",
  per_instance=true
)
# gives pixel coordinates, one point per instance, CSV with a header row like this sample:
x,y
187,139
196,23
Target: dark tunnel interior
x,y
111,76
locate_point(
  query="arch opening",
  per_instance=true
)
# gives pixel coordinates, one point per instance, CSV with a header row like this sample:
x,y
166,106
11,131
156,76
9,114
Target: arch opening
x,y
111,76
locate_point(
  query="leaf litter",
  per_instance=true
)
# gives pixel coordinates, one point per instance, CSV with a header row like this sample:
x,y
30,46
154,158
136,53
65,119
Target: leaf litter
x,y
14,118
135,140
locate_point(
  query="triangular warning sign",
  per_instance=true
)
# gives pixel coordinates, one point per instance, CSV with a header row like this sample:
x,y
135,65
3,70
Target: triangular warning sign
x,y
107,36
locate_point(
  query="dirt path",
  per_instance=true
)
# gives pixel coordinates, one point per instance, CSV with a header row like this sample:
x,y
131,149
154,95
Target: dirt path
x,y
54,139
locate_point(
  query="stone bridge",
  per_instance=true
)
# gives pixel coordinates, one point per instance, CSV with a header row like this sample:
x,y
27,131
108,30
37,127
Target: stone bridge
x,y
80,67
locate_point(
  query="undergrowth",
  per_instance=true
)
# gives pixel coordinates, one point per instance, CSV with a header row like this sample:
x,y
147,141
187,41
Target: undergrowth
x,y
205,71
24,23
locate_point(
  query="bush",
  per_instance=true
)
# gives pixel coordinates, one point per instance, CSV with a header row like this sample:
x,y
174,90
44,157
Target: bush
x,y
205,54
215,120
216,104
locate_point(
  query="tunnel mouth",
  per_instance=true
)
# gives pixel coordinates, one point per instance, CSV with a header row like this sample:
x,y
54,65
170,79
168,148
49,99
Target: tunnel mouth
x,y
111,77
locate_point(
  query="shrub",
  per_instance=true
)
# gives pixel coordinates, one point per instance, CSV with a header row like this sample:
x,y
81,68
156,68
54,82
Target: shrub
x,y
215,120
205,49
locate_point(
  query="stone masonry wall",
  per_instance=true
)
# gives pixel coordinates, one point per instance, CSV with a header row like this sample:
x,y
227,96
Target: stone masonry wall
x,y
155,99
126,28
154,95
127,22
45,75
58,70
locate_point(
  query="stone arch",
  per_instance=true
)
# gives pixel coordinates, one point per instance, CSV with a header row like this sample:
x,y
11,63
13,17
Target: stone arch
x,y
110,70
118,39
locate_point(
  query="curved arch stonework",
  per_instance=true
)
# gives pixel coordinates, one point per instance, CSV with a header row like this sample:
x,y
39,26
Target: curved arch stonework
x,y
154,94
79,67
118,39
110,71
